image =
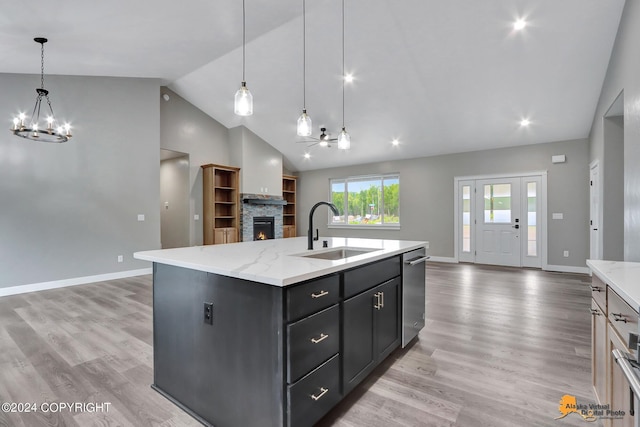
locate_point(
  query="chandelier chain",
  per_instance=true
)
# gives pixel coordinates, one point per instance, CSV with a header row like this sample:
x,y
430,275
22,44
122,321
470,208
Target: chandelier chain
x,y
42,66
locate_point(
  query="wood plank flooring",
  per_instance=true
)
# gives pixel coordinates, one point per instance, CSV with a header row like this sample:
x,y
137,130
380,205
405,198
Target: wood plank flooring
x,y
500,348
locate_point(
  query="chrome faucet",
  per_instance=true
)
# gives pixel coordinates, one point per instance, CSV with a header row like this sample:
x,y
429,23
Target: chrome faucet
x,y
310,238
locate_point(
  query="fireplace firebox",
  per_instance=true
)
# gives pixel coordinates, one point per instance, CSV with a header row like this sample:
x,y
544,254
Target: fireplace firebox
x,y
263,227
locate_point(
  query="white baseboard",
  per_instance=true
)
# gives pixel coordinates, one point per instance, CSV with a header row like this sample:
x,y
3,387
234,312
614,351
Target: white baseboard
x,y
443,259
34,287
567,269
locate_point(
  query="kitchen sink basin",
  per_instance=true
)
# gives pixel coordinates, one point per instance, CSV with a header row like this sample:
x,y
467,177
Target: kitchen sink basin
x,y
337,253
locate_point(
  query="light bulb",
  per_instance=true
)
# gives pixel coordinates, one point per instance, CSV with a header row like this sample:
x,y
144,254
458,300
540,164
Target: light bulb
x,y
519,24
67,129
243,105
50,123
16,121
304,124
344,140
323,143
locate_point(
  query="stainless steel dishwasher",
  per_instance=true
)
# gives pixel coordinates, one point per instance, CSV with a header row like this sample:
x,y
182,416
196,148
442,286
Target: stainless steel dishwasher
x,y
413,293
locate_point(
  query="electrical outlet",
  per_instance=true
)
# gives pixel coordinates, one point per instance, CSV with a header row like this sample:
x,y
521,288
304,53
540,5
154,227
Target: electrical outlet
x,y
120,258
566,254
196,217
208,313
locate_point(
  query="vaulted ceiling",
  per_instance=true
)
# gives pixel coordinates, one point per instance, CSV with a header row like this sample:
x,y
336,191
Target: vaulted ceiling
x,y
438,76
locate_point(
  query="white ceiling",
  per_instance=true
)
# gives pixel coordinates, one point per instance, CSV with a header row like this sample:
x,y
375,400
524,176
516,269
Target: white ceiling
x,y
440,76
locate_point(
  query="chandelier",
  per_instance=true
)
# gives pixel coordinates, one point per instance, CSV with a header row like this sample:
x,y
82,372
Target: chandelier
x,y
51,131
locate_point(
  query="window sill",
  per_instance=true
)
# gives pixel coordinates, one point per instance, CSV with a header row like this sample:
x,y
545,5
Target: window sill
x,y
366,227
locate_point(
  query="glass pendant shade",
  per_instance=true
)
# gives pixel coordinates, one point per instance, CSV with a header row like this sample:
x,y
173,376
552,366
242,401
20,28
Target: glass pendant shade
x,y
304,124
344,140
243,101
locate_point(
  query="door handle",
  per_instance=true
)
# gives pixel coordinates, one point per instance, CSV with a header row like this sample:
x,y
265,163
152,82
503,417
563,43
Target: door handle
x,y
517,226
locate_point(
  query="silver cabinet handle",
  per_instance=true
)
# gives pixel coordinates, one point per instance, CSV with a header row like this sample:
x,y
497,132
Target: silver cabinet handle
x,y
323,391
320,294
630,374
596,288
381,299
377,304
322,338
417,260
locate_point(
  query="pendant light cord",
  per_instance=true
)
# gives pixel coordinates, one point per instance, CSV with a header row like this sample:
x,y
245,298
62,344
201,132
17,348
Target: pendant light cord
x,y
244,31
42,65
343,75
304,55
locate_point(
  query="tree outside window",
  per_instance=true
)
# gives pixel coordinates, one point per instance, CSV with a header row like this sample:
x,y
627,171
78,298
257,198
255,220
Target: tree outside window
x,y
369,200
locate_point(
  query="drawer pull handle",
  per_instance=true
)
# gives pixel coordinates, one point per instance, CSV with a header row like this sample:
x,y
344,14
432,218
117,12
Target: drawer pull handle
x,y
322,338
596,289
323,391
381,299
619,317
595,312
377,305
320,294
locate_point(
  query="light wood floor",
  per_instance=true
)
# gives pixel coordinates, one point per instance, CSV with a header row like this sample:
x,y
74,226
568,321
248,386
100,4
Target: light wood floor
x,y
500,348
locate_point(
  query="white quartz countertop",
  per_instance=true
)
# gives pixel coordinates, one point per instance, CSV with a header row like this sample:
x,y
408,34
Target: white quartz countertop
x,y
623,277
276,261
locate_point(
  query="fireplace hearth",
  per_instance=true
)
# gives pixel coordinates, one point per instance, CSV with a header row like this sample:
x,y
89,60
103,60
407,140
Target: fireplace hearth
x,y
263,227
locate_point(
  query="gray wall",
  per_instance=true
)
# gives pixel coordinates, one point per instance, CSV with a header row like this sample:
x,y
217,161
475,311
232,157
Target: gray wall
x,y
612,209
186,129
174,202
623,74
261,163
68,210
426,195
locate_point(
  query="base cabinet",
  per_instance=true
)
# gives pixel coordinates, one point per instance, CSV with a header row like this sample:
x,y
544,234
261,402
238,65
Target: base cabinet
x,y
599,358
264,355
619,391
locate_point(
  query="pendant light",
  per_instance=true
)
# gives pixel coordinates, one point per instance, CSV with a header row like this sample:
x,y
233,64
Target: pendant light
x,y
304,127
243,105
344,140
51,132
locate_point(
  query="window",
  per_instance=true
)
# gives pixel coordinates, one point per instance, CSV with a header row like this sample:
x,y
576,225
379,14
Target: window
x,y
369,200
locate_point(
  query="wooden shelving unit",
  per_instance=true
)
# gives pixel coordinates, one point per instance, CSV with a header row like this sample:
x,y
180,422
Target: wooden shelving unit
x,y
289,212
221,203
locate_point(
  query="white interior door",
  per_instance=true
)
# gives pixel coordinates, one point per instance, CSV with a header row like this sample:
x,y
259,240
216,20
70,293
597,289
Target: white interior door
x,y
498,223
594,212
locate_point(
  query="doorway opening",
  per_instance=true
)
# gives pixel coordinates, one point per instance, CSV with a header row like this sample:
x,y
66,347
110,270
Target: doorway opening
x,y
174,199
501,219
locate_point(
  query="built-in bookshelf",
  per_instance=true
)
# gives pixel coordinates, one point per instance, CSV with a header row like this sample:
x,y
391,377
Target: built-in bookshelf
x,y
221,200
289,212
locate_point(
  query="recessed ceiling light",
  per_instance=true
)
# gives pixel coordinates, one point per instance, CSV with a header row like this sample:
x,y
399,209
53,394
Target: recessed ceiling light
x,y
348,78
519,24
307,155
395,142
525,122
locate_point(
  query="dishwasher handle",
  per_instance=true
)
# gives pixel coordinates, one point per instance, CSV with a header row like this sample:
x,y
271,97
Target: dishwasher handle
x,y
622,358
416,261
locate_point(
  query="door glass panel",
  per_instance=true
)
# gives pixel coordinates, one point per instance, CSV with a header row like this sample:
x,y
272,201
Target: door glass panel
x,y
532,203
466,218
497,203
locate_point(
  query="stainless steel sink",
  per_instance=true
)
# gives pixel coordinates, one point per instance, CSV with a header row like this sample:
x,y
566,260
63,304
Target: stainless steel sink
x,y
337,253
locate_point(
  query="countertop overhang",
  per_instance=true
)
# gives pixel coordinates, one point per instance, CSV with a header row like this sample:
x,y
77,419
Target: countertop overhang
x,y
622,276
276,262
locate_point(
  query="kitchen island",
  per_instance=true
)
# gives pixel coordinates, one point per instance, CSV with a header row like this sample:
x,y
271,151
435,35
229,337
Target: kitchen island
x,y
268,333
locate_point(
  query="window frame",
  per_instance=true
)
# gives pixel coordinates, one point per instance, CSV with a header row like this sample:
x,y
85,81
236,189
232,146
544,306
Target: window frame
x,y
372,177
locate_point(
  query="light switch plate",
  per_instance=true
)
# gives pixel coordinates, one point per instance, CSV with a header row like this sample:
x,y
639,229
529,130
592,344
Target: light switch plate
x,y
557,215
140,217
196,217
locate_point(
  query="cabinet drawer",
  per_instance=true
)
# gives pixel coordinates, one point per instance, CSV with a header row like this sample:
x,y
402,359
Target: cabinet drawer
x,y
623,318
363,278
312,296
314,395
599,291
311,341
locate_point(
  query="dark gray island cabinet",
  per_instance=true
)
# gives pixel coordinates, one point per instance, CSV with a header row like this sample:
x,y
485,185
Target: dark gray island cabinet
x,y
235,352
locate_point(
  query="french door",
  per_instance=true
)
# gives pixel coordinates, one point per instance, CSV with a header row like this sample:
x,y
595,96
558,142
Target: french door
x,y
498,221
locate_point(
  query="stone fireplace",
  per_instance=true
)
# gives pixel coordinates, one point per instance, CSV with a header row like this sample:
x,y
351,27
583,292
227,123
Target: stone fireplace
x,y
256,207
